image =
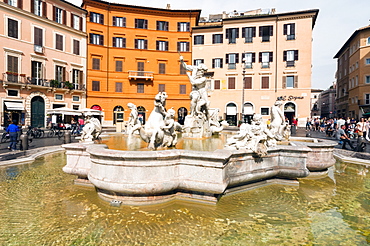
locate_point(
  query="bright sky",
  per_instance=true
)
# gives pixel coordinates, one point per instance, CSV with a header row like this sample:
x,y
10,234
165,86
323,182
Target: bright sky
x,y
336,22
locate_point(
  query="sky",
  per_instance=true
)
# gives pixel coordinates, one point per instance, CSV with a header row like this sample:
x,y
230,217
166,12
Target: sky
x,y
336,22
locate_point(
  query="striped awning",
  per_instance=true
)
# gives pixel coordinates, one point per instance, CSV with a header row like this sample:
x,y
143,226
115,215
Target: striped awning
x,y
14,106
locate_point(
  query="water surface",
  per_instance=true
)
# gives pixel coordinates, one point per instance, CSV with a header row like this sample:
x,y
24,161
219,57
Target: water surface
x,y
40,205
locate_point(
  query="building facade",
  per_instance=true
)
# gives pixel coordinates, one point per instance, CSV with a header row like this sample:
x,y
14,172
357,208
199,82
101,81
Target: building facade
x,y
315,103
353,75
133,53
43,54
271,53
327,103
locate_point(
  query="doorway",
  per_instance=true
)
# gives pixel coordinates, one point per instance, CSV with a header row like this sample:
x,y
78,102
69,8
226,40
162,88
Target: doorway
x,y
37,112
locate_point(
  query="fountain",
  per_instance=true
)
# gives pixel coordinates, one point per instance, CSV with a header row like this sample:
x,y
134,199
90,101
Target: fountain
x,y
254,157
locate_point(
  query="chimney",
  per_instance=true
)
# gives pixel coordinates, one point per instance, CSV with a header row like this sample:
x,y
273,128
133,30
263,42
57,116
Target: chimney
x,y
273,11
168,6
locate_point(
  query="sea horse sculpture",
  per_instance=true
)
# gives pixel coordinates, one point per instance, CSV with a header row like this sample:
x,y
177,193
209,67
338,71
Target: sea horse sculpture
x,y
92,129
159,130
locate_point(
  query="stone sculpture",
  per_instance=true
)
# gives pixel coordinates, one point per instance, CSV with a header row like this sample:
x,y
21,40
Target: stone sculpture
x,y
256,137
133,124
197,123
215,125
159,130
278,127
91,130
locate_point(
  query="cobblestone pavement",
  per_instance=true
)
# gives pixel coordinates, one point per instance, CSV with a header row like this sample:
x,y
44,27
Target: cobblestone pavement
x,y
55,141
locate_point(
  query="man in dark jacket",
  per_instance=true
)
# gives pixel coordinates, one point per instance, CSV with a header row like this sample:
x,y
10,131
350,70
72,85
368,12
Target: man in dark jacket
x,y
13,130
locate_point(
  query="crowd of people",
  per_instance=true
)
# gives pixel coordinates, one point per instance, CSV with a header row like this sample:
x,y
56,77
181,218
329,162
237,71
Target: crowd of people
x,y
342,129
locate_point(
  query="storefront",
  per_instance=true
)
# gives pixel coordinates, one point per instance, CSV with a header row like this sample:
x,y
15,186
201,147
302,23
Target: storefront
x,y
13,110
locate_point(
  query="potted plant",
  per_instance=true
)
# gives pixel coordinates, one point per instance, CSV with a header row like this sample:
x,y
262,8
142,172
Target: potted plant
x,y
54,83
68,85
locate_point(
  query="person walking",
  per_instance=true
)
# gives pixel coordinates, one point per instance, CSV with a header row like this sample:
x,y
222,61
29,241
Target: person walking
x,y
342,136
13,130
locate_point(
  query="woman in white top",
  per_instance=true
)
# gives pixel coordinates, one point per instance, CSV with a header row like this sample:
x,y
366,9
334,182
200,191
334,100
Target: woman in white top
x,y
361,127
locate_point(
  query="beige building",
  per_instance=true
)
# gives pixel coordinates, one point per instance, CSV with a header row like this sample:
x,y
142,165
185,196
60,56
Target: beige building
x,y
43,59
273,52
353,75
315,103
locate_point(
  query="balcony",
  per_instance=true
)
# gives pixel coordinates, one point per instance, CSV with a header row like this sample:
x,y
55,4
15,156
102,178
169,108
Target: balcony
x,y
265,65
290,63
140,75
23,80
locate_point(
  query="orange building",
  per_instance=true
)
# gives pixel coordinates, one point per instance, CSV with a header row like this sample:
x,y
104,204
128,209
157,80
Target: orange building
x,y
133,53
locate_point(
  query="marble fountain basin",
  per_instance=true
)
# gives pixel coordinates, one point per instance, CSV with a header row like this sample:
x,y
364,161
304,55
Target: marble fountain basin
x,y
150,177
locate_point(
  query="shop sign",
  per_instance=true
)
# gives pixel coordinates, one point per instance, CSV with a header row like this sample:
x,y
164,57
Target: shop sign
x,y
289,98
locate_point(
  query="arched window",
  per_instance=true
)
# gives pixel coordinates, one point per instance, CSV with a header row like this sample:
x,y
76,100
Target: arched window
x,y
118,114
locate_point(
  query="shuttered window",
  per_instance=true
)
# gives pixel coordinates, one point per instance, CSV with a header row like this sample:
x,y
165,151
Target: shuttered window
x,y
141,23
161,87
119,66
231,83
76,47
162,68
182,89
58,42
96,63
217,84
12,28
12,64
95,85
265,83
248,83
38,36
118,86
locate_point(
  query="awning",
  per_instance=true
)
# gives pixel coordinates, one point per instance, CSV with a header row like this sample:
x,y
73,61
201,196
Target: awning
x,y
63,111
14,106
89,111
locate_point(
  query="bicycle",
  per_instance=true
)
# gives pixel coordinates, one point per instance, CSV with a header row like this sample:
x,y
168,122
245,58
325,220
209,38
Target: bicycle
x,y
55,131
35,132
5,137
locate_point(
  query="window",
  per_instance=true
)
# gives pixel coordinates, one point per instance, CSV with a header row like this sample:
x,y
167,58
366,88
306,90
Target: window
x,y
265,111
76,47
290,56
182,69
76,22
140,68
248,33
59,15
59,97
13,3
96,18
367,79
182,89
141,23
289,82
119,66
12,28
217,63
96,39
75,98
231,82
162,68
38,36
367,98
368,41
217,38
232,34
265,33
265,59
119,42
36,73
140,88
13,93
217,84
289,31
183,26
367,61
162,45
249,59
60,73
37,7
96,64
162,25
183,46
141,44
232,60
58,42
118,86
77,78
198,39
265,83
119,21
161,87
248,83
197,62
12,67
95,85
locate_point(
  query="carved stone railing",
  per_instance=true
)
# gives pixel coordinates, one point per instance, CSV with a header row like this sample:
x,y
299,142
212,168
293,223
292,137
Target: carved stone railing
x,y
141,75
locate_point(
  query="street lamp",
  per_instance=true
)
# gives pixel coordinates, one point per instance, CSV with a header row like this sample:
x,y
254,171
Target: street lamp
x,y
243,87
